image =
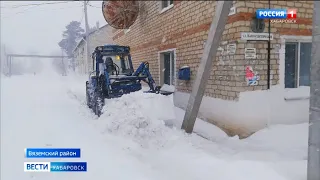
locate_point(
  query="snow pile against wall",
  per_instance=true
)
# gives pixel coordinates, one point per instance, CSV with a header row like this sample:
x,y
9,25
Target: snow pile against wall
x,y
148,117
255,110
168,88
140,116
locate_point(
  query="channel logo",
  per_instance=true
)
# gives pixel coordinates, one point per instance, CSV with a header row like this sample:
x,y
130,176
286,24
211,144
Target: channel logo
x,y
37,167
276,14
55,166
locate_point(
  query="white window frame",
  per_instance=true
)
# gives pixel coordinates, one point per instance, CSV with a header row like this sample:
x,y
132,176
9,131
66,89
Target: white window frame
x,y
164,9
126,30
298,59
298,93
173,72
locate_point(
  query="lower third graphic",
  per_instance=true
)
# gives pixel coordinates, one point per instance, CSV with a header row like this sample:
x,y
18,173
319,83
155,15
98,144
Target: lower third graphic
x,y
55,166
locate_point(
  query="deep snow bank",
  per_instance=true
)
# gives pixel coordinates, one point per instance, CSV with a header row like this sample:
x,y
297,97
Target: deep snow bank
x,y
143,117
146,119
278,152
139,116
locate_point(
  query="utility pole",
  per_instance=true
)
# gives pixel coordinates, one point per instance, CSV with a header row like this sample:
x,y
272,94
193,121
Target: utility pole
x,y
219,21
62,64
314,115
73,64
5,61
7,65
87,37
10,66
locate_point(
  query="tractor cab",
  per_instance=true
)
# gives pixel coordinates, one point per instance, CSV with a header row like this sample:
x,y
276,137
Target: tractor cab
x,y
114,64
115,59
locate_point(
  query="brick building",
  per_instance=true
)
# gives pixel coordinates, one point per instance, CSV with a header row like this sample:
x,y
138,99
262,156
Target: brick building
x,y
171,34
101,36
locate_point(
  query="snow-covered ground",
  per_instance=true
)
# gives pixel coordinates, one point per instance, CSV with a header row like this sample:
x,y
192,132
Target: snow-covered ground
x,y
138,137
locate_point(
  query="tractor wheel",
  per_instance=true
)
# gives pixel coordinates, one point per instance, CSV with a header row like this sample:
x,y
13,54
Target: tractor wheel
x,y
99,96
98,104
88,99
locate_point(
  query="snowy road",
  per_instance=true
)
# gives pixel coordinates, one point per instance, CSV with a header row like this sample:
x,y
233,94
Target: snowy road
x,y
40,117
130,140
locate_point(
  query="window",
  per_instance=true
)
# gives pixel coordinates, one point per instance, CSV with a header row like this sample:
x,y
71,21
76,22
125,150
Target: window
x,y
297,64
121,62
126,66
167,68
165,5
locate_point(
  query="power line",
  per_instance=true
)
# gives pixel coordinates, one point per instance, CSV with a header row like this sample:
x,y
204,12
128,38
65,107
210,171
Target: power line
x,y
94,6
26,10
38,4
21,12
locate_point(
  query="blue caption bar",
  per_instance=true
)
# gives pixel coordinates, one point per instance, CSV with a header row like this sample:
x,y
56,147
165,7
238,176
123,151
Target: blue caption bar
x,y
271,14
68,166
52,153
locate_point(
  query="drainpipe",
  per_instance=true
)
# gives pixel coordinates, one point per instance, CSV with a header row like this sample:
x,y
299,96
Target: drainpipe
x,y
269,49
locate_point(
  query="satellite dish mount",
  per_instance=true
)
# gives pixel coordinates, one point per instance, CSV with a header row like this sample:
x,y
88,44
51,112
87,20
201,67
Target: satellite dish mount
x,y
120,14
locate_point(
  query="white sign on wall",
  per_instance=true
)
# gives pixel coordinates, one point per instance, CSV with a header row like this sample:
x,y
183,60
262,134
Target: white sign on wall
x,y
250,53
277,48
224,42
232,11
256,36
231,48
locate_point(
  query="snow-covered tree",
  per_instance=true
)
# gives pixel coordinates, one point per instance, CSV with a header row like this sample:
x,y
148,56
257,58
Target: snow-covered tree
x,y
71,36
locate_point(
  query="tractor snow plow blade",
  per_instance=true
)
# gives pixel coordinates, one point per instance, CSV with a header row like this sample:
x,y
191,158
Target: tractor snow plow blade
x,y
166,93
164,90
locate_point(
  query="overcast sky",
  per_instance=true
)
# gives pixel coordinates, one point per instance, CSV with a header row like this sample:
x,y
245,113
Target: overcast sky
x,y
26,28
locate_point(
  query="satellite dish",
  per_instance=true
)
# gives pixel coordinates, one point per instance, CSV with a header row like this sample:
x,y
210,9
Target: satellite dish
x,y
120,14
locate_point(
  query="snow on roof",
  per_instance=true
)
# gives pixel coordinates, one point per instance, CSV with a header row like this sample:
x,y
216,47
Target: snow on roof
x,y
84,37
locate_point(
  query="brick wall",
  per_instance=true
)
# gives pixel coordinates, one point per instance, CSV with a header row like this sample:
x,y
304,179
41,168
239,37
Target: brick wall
x,y
245,10
185,27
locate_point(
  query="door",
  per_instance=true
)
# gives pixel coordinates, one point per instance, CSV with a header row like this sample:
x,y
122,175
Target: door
x,y
291,65
305,62
166,74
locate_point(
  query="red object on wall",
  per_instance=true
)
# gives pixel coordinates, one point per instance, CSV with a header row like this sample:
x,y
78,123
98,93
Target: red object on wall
x,y
120,14
249,73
